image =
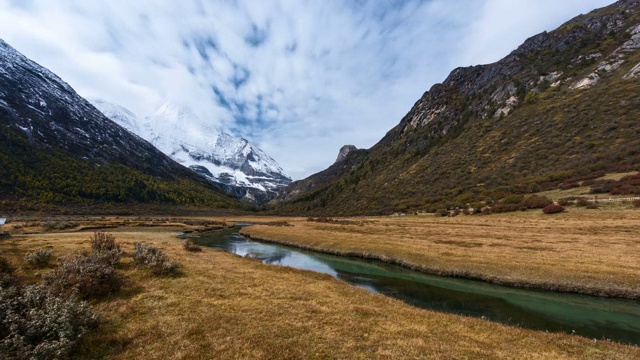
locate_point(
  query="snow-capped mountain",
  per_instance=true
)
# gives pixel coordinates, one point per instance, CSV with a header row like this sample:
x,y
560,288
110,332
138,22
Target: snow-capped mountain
x,y
56,149
246,170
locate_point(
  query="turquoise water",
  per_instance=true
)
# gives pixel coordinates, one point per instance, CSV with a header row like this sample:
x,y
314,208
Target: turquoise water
x,y
593,317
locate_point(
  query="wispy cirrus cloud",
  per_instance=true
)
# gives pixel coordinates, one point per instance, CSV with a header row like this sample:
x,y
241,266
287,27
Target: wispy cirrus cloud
x,y
298,78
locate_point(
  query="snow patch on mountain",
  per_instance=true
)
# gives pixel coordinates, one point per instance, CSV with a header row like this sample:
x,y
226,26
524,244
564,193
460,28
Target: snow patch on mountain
x,y
221,157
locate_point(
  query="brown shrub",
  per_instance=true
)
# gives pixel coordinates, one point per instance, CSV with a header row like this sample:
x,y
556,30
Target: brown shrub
x,y
569,185
582,201
151,258
7,272
553,209
88,276
603,186
58,225
105,247
38,324
191,246
38,259
536,202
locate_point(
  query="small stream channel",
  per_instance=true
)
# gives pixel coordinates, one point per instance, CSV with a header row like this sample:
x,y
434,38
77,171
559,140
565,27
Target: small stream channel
x,y
589,316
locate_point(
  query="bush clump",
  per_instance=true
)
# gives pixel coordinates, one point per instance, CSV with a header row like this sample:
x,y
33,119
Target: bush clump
x,y
87,276
553,209
38,259
7,271
105,247
58,225
536,202
191,246
38,324
155,260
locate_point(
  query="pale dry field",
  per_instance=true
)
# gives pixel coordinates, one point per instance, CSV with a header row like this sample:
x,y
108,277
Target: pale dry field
x,y
587,251
227,307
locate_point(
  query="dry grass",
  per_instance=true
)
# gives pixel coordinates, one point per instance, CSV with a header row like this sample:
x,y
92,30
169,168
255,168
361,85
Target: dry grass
x,y
581,250
227,307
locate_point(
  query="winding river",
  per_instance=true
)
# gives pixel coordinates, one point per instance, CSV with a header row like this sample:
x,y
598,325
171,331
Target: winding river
x,y
589,316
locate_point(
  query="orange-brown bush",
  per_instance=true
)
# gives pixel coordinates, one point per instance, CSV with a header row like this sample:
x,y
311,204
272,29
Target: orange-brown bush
x,y
553,209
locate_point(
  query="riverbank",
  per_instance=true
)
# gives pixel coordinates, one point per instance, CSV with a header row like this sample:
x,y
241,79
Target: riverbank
x,y
592,252
225,306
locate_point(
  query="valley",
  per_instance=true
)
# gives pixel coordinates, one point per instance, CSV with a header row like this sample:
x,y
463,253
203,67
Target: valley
x,y
498,218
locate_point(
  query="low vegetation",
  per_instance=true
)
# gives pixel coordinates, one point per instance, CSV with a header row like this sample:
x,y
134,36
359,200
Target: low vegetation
x,y
105,248
38,259
38,324
154,260
191,246
58,225
37,321
553,209
88,276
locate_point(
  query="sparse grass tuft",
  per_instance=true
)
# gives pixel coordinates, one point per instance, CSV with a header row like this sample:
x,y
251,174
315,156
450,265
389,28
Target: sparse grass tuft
x,y
191,246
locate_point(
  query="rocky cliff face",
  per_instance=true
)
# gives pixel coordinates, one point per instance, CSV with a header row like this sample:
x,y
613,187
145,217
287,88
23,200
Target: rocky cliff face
x,y
344,151
58,148
240,167
562,105
47,110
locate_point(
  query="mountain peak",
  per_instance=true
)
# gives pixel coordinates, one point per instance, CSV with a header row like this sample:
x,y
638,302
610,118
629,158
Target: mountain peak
x,y
344,151
174,111
231,161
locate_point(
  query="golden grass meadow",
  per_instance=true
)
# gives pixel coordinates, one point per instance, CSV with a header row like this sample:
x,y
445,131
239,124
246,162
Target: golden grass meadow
x,y
227,307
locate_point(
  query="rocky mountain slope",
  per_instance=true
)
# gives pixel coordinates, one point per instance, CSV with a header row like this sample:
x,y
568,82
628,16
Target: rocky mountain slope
x,y
233,162
59,149
562,107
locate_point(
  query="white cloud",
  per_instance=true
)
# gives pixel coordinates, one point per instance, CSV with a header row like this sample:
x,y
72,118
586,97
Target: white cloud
x,y
298,78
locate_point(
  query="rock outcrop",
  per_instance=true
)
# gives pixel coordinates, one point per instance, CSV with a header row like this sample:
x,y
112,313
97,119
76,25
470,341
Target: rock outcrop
x,y
344,151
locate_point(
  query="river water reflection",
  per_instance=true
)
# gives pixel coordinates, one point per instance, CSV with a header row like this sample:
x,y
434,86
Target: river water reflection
x,y
593,317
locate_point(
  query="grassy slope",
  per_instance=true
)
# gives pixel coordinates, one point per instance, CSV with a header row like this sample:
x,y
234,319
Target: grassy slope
x,y
229,307
560,134
587,251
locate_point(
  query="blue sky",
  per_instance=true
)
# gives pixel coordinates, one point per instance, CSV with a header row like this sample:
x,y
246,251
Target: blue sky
x,y
298,78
